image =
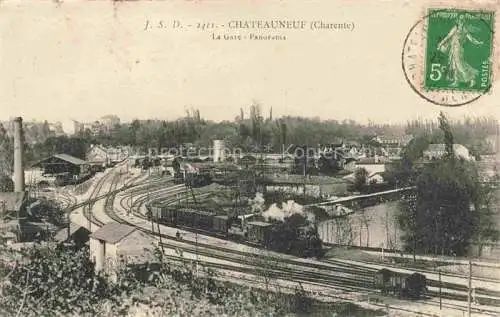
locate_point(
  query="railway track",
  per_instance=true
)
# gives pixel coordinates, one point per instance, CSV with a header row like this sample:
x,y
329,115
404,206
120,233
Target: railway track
x,y
433,283
290,289
96,191
351,283
148,194
329,283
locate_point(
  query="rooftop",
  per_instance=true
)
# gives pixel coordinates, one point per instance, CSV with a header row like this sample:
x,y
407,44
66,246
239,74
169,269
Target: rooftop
x,y
260,223
62,235
373,160
440,147
63,157
112,232
70,159
299,179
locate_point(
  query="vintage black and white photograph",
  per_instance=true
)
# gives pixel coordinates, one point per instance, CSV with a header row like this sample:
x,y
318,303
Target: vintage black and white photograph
x,y
249,158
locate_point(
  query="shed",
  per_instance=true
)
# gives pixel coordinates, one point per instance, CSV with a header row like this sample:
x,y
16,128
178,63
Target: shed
x,y
114,245
63,163
75,233
12,208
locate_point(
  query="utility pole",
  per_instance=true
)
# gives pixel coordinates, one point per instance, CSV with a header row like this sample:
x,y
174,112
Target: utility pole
x,y
469,309
152,225
305,169
440,297
131,203
69,223
159,234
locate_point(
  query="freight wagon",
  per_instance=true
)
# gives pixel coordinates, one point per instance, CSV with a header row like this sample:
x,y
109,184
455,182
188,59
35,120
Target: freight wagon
x,y
186,217
221,224
400,284
259,232
163,214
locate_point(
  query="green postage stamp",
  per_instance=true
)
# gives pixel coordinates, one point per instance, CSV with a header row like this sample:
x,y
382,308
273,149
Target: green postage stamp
x,y
459,48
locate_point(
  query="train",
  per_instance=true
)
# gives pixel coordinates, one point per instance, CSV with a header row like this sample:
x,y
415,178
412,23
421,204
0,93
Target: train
x,y
208,221
412,286
256,233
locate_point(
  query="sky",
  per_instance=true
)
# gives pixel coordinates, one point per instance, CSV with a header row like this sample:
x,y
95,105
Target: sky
x,y
85,59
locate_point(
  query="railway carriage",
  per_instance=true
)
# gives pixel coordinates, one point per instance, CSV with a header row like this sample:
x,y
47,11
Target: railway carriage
x,y
259,232
400,284
203,220
221,224
185,217
163,213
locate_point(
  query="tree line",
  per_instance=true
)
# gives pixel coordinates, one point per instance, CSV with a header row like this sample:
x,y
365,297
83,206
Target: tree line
x,y
250,131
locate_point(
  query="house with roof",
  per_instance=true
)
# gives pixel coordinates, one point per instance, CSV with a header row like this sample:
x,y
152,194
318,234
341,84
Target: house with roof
x,y
438,151
12,213
63,164
75,233
100,155
97,155
393,141
350,164
114,245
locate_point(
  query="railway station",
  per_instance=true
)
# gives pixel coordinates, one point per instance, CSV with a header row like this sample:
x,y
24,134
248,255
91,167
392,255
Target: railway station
x,y
237,210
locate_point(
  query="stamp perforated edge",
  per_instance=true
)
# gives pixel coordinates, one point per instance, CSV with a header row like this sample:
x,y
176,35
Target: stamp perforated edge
x,y
494,53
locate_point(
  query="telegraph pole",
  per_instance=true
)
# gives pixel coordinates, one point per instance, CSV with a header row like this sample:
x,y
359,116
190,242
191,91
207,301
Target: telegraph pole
x,y
305,169
440,297
131,203
159,235
469,309
69,223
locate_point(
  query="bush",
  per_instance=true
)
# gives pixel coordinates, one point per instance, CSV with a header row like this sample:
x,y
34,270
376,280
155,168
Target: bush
x,y
53,281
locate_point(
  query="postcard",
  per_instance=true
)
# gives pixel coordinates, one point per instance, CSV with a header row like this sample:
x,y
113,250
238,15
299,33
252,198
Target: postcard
x,y
249,158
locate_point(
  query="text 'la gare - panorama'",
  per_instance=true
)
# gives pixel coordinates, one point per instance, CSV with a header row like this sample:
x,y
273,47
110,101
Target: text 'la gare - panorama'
x,y
285,24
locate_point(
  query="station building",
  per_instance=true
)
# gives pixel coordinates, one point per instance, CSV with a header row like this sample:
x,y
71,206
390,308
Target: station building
x,y
64,165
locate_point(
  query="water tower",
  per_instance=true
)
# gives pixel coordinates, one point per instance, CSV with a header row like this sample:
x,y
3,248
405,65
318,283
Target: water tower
x,y
219,151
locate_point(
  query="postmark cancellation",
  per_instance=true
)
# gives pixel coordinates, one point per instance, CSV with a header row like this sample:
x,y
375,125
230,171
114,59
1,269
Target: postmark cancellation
x,y
448,55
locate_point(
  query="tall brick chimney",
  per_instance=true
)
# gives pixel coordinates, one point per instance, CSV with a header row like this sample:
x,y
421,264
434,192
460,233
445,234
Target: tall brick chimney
x,y
18,155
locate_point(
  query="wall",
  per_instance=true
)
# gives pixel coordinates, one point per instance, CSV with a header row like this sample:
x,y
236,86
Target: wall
x,y
111,262
298,189
372,168
96,253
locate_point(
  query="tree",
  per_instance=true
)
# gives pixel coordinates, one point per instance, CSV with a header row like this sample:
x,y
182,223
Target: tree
x,y
450,207
6,184
344,231
365,219
445,127
6,152
54,281
360,178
